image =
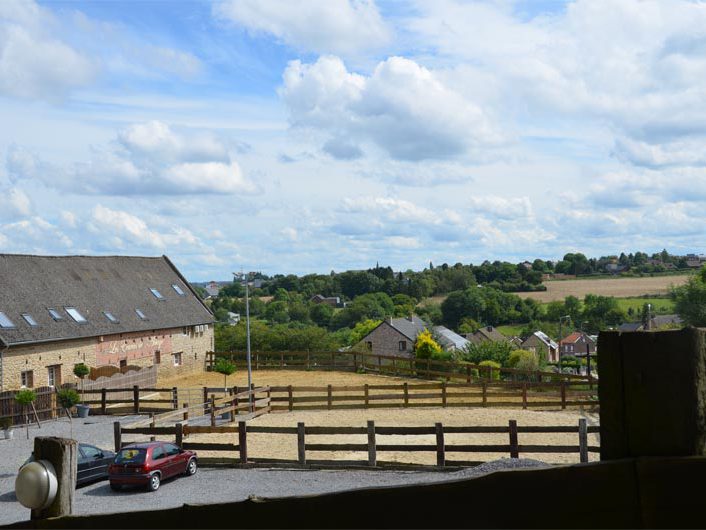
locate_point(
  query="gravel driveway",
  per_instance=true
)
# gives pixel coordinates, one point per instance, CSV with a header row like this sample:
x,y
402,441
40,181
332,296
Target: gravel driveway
x,y
222,485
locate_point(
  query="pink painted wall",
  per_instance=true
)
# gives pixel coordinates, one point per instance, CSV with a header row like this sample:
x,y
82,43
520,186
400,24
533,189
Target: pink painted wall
x,y
134,346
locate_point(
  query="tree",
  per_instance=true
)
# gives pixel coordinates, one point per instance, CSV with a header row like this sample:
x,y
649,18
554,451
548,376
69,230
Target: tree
x,y
67,398
690,300
225,367
361,329
425,347
26,399
81,371
321,314
496,351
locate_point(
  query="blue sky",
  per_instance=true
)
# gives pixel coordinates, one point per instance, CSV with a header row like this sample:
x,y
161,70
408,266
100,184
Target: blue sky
x,y
330,135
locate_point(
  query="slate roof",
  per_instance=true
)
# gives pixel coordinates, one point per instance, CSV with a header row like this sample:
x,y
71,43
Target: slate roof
x,y
545,339
410,328
484,334
93,284
450,340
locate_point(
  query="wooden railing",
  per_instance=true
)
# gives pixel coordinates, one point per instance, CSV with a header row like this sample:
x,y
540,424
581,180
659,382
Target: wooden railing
x,y
388,365
301,435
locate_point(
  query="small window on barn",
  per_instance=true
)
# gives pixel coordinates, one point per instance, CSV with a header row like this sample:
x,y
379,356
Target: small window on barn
x,y
110,316
178,290
140,314
369,344
27,379
403,345
156,293
55,314
177,359
29,319
74,313
5,321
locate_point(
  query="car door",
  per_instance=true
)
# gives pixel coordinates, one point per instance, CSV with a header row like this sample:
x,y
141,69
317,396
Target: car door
x,y
160,462
82,471
94,463
176,464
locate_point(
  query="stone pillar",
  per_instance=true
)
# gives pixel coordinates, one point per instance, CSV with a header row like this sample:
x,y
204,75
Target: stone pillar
x,y
652,392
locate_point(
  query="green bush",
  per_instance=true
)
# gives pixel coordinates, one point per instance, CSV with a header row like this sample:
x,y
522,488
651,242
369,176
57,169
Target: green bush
x,y
67,397
81,370
494,369
5,423
25,397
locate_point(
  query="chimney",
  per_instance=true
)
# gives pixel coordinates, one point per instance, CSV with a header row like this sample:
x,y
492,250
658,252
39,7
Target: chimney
x,y
410,318
388,320
489,328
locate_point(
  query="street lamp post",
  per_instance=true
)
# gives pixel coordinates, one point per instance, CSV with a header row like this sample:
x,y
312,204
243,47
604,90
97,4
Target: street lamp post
x,y
247,324
560,319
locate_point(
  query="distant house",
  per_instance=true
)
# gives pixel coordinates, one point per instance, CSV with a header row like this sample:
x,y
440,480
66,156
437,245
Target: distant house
x,y
233,318
576,343
486,334
655,323
212,289
615,268
539,342
333,301
396,336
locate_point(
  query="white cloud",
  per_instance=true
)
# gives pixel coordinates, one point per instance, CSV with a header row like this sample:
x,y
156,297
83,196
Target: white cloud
x,y
290,233
332,26
502,207
402,108
147,158
688,152
14,204
33,63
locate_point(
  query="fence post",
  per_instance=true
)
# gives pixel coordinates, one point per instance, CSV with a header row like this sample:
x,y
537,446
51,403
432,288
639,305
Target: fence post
x,y
117,436
406,395
428,366
243,441
440,449
524,395
308,359
291,398
63,454
152,425
379,364
179,435
485,393
367,395
514,449
583,440
213,410
372,453
186,412
333,360
355,362
251,398
301,443
257,360
468,374
443,393
175,398
394,365
281,360
136,399
205,400
104,397
232,404
563,394
330,397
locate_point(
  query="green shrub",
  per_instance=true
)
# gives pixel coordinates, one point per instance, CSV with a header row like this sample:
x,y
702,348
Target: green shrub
x,y
494,369
5,423
67,397
25,397
81,370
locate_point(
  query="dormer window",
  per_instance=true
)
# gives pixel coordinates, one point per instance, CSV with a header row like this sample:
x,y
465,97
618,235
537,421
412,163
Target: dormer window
x,y
156,293
29,319
178,290
110,316
5,321
140,314
55,314
74,313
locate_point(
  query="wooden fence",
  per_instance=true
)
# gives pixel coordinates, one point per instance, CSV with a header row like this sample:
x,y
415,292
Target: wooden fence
x,y
301,436
389,365
45,405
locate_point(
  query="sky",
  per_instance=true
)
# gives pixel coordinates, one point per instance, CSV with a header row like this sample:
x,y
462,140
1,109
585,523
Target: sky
x,y
311,136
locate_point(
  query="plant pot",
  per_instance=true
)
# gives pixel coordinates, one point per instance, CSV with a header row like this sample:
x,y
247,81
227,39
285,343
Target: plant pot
x,y
82,411
9,434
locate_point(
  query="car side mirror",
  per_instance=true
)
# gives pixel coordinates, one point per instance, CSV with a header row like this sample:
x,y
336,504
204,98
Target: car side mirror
x,y
99,455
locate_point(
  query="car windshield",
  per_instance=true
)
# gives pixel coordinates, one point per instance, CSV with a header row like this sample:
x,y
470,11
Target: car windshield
x,y
131,456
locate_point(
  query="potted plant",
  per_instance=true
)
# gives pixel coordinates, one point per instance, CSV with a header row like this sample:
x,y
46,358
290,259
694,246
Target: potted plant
x,y
26,398
81,371
67,398
6,426
225,367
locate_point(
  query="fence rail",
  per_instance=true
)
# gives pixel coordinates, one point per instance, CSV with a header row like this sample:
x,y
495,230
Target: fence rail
x,y
46,405
372,447
388,365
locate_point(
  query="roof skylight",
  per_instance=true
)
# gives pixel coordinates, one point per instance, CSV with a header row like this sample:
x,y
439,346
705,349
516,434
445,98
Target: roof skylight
x,y
140,314
54,314
78,317
156,293
5,321
178,290
29,319
110,316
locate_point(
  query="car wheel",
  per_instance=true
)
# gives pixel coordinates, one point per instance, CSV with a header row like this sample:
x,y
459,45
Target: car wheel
x,y
155,481
116,487
191,467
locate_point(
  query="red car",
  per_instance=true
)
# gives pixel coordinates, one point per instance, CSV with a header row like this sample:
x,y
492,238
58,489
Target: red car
x,y
149,463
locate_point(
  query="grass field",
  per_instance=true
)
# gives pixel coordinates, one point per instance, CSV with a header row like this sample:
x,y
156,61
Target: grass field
x,y
660,306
